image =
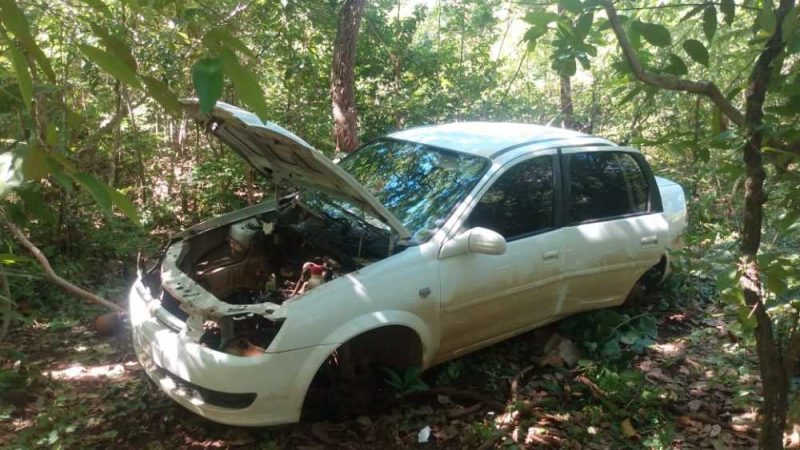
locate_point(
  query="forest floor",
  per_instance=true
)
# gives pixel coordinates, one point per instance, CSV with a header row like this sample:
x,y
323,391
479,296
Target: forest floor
x,y
690,382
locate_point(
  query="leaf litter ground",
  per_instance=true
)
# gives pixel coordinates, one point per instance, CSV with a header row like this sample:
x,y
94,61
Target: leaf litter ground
x,y
695,386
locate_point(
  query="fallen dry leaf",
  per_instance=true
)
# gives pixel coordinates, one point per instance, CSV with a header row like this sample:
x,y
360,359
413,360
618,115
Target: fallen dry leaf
x,y
627,428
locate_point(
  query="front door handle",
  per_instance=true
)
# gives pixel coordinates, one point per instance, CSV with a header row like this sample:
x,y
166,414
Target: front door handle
x,y
649,241
551,255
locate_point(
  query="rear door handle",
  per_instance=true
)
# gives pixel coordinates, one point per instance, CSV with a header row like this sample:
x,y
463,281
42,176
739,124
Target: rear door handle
x,y
649,241
551,255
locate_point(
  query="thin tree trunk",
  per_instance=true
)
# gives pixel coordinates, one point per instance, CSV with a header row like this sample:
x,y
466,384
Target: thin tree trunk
x,y
6,304
345,117
565,95
595,110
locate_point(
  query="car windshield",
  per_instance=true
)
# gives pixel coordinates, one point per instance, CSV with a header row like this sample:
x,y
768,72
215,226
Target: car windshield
x,y
417,183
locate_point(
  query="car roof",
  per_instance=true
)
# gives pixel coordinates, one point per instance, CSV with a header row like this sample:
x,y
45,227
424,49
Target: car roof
x,y
489,139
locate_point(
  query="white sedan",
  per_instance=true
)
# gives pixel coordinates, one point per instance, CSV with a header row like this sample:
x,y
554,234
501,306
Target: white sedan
x,y
418,248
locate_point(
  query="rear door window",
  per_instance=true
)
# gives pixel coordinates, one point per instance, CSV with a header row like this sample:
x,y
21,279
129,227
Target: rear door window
x,y
604,185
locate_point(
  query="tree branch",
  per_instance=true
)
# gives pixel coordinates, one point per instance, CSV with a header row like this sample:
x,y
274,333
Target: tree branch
x,y
669,82
91,142
50,274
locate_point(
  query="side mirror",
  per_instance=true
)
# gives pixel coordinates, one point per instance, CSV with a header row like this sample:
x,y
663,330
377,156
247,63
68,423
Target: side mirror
x,y
475,240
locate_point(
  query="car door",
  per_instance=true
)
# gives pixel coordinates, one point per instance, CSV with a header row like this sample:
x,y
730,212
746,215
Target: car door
x,y
488,297
614,231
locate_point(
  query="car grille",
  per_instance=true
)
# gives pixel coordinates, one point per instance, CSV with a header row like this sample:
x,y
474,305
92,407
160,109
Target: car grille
x,y
173,306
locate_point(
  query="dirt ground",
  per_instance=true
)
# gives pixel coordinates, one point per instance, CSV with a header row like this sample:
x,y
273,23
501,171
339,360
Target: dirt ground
x,y
695,387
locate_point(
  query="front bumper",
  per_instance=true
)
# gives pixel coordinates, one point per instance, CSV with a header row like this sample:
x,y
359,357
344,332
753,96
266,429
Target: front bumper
x,y
256,391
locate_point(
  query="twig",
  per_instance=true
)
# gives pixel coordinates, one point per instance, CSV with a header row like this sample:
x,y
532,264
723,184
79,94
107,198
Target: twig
x,y
597,393
459,413
50,274
515,382
470,395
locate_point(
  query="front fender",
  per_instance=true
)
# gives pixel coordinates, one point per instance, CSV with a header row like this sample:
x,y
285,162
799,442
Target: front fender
x,y
378,319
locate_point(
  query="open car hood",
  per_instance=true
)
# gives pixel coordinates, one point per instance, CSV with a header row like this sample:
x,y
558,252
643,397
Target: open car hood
x,y
282,156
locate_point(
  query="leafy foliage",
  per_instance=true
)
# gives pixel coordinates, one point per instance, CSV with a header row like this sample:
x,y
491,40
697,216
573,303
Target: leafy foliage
x,y
406,381
610,334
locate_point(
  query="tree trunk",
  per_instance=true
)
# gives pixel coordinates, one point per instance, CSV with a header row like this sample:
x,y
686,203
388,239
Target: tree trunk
x,y
776,362
774,379
6,304
567,111
345,117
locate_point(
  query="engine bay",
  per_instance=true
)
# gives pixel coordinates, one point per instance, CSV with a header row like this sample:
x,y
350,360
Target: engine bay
x,y
272,258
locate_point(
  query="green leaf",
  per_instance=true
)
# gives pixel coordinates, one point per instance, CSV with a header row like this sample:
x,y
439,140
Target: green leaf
x,y
124,204
789,24
35,166
111,64
611,349
245,84
766,17
98,191
35,206
162,94
541,19
51,135
716,120
582,26
693,12
64,181
115,45
710,22
16,22
564,64
630,96
676,66
224,37
99,6
533,34
746,317
653,33
207,79
20,64
573,6
696,50
728,9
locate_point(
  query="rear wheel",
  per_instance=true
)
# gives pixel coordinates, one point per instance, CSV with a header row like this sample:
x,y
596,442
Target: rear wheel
x,y
647,283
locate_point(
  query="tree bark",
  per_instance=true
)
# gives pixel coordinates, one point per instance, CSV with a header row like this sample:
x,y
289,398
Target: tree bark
x,y
345,116
6,304
775,366
567,110
774,379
